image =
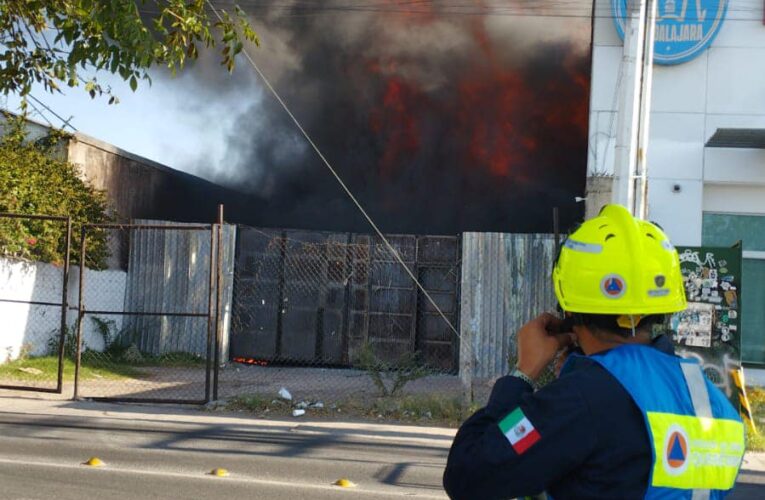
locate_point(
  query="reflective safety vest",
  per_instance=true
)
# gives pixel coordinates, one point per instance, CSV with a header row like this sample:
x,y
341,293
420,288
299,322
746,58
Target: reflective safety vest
x,y
697,437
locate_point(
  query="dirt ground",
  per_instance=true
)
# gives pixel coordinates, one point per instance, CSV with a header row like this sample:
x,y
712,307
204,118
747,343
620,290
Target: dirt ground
x,y
304,383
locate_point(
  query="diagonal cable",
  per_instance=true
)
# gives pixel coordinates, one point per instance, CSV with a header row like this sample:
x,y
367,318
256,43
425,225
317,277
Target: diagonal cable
x,y
341,182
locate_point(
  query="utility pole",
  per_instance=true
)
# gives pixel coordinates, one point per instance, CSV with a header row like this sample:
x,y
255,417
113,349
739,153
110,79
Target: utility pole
x,y
630,170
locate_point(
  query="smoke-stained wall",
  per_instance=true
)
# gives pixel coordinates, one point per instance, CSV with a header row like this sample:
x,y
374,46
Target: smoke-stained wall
x,y
441,117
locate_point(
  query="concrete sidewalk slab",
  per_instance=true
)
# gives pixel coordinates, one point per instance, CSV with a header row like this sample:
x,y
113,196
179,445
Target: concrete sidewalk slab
x,y
16,403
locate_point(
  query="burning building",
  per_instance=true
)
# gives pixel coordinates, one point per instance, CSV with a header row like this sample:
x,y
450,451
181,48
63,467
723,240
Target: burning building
x,y
440,117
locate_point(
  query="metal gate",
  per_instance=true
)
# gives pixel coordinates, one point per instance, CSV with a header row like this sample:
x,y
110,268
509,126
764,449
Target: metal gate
x,y
33,301
147,329
392,314
316,298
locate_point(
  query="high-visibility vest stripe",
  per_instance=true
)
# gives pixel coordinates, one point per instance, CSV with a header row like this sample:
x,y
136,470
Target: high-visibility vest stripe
x,y
698,389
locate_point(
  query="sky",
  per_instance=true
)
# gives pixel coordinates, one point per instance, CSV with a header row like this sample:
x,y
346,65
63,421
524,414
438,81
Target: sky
x,y
162,121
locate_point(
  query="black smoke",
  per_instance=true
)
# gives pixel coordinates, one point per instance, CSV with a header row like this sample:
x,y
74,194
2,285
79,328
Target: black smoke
x,y
439,123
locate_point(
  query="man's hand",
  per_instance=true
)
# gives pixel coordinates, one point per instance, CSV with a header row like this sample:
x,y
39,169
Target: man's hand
x,y
538,342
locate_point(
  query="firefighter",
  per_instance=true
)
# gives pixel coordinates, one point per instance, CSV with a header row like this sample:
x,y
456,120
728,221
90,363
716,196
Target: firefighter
x,y
626,418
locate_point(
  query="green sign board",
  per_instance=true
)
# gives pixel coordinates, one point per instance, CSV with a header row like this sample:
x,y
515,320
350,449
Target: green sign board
x,y
709,330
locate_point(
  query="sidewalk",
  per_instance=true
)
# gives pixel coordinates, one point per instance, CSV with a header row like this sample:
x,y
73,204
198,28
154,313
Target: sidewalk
x,y
17,402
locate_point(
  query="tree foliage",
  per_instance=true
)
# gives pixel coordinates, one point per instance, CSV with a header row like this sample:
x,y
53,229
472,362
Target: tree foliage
x,y
34,180
55,42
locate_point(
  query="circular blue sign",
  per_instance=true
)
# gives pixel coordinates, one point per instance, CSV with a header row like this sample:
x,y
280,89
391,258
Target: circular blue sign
x,y
684,28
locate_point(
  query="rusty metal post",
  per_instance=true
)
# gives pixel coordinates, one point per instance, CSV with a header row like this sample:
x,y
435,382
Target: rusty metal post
x,y
218,300
64,305
210,314
80,314
280,293
349,269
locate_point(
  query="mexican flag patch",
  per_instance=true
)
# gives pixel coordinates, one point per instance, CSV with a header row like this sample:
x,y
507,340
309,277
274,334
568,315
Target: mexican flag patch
x,y
519,431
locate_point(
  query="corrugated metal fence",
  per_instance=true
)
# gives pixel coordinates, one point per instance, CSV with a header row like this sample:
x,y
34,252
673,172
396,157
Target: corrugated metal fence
x,y
169,271
505,283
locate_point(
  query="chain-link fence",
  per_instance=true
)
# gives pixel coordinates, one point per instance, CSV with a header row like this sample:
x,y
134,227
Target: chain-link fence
x,y
337,324
411,327
147,309
34,278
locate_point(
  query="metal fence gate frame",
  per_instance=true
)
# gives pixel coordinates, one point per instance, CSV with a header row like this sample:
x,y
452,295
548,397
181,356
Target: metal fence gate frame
x,y
385,276
212,315
63,304
357,271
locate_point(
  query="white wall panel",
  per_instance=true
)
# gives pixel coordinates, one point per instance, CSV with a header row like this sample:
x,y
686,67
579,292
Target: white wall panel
x,y
680,88
736,81
605,64
678,213
739,166
734,199
676,147
742,26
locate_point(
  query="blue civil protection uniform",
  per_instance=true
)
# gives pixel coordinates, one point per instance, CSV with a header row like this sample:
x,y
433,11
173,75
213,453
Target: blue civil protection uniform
x,y
594,440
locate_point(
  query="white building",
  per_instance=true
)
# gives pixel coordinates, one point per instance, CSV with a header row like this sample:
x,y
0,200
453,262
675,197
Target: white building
x,y
706,155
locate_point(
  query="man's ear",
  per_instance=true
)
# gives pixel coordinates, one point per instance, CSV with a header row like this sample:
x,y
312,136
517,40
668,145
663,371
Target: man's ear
x,y
580,330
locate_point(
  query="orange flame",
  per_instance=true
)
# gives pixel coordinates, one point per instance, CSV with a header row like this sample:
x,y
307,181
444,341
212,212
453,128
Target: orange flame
x,y
250,361
498,115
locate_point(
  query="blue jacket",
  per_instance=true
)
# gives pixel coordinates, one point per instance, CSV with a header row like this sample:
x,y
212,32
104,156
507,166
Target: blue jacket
x,y
594,442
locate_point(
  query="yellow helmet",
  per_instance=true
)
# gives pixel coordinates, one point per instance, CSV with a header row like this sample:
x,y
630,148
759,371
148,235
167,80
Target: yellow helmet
x,y
616,264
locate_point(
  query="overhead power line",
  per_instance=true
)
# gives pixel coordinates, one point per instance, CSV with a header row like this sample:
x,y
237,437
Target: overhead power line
x,y
65,123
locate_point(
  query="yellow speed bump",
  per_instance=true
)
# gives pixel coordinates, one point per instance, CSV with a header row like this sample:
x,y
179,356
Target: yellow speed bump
x,y
219,473
344,483
94,462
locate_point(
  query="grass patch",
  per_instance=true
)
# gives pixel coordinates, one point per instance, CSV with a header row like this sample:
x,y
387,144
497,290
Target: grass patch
x,y
256,403
133,358
95,365
426,409
45,368
756,395
174,360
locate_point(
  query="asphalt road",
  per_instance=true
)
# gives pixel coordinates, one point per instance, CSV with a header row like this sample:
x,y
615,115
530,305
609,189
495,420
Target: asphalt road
x,y
41,457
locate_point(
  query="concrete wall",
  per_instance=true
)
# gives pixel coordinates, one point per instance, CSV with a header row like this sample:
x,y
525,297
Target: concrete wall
x,y
139,188
28,328
133,184
722,87
598,194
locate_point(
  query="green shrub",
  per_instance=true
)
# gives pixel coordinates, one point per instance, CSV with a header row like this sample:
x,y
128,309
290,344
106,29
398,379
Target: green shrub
x,y
390,377
70,342
34,181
